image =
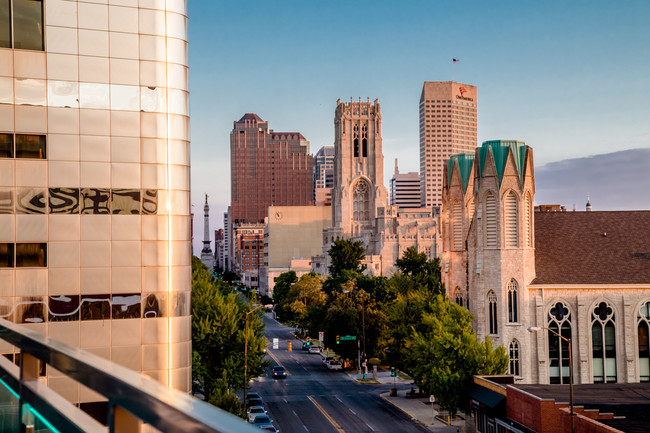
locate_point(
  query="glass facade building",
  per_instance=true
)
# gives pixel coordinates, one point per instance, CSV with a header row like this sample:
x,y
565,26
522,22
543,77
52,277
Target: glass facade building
x,y
95,181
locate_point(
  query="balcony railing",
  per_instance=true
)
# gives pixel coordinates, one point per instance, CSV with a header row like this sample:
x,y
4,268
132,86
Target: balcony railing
x,y
135,402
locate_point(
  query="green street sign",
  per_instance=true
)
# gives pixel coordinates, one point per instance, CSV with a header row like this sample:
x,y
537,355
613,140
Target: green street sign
x,y
348,337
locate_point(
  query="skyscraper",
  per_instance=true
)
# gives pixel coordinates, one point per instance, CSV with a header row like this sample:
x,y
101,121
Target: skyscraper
x,y
405,189
94,182
323,175
267,168
447,127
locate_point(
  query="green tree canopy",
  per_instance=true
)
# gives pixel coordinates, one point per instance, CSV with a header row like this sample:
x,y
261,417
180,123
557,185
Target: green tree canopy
x,y
281,290
346,255
305,295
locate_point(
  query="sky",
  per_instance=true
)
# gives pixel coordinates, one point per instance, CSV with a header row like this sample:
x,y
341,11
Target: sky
x,y
570,78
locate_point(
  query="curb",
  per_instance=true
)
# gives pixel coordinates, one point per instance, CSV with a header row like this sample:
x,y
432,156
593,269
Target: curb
x,y
403,411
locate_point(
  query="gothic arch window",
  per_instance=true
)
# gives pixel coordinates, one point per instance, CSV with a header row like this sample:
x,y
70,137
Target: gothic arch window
x,y
356,141
603,343
513,313
528,229
459,296
492,312
490,220
559,320
364,140
470,210
643,331
511,231
456,226
513,352
361,202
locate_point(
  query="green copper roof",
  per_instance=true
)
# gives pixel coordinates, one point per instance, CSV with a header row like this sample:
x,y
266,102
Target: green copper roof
x,y
465,162
500,150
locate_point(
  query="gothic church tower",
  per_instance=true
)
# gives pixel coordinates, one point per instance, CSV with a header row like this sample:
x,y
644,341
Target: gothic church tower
x,y
358,167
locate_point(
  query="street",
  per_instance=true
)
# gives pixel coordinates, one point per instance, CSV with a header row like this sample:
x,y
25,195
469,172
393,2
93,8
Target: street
x,y
313,399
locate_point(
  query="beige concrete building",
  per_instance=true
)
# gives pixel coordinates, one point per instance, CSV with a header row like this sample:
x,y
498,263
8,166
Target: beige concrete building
x,y
293,234
585,275
95,183
447,127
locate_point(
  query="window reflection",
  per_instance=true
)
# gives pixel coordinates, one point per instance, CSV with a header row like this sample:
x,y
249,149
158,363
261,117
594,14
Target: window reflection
x,y
95,201
125,97
64,200
30,200
28,24
63,94
30,146
178,102
6,307
30,91
150,202
5,24
154,305
153,99
6,256
63,308
126,306
181,304
93,95
31,255
30,310
6,90
125,201
6,145
95,307
6,201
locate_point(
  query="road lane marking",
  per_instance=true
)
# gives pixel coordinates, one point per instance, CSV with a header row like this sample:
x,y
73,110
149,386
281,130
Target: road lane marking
x,y
353,412
337,397
326,415
305,427
277,362
294,412
285,400
370,427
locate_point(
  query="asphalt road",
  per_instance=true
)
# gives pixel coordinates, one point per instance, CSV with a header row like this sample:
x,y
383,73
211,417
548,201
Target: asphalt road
x,y
314,400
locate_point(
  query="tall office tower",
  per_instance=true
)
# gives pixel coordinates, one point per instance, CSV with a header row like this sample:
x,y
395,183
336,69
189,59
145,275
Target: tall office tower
x,y
405,189
358,167
94,182
323,175
227,240
447,127
219,248
267,168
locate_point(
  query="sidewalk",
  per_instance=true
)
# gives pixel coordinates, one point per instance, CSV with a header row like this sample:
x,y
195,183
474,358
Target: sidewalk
x,y
418,408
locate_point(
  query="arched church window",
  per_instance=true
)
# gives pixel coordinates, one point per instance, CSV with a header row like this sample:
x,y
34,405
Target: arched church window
x,y
510,220
603,343
492,312
490,221
643,331
512,302
513,352
361,202
356,141
364,140
456,226
527,220
559,320
459,296
470,209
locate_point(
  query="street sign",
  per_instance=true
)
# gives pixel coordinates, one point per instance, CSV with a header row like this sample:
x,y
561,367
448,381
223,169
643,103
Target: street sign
x,y
348,337
432,399
321,336
276,343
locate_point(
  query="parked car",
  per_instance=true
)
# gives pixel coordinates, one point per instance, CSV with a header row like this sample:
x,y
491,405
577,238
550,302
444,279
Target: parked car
x,y
252,394
315,349
334,365
326,360
279,372
253,411
250,402
269,427
261,420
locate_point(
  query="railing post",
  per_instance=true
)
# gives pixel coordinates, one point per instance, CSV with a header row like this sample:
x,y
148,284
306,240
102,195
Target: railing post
x,y
124,422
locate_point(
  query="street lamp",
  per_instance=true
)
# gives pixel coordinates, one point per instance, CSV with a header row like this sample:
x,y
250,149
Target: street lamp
x,y
246,351
568,340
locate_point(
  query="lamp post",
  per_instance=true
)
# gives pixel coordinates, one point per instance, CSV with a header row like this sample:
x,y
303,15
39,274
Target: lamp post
x,y
568,340
246,351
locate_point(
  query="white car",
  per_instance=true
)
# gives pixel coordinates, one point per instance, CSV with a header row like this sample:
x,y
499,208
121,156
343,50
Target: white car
x,y
254,411
334,365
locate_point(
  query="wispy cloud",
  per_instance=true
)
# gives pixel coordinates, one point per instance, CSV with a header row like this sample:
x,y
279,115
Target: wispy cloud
x,y
614,181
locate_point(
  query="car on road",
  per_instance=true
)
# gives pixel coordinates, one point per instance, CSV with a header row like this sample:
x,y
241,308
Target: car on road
x,y
269,427
261,420
279,372
250,402
315,349
334,365
253,411
326,360
252,394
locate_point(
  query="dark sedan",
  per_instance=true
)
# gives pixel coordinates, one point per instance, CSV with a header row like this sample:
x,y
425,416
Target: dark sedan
x,y
279,372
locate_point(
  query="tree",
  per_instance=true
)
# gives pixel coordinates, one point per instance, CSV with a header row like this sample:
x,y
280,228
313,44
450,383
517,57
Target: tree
x,y
281,290
412,262
446,354
218,339
305,295
416,272
346,255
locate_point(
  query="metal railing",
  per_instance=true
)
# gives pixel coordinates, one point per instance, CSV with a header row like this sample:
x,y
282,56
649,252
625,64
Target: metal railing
x,y
134,400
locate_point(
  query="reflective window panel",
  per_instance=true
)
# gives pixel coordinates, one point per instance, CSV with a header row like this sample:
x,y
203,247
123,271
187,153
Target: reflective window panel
x,y
64,200
6,255
5,23
30,146
95,307
126,306
6,145
125,201
28,24
6,201
154,305
31,255
95,201
30,310
63,308
30,201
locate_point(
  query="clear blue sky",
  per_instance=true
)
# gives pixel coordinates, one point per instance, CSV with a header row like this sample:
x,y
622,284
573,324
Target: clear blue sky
x,y
570,78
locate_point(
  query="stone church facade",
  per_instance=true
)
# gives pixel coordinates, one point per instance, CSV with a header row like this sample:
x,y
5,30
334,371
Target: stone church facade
x,y
585,275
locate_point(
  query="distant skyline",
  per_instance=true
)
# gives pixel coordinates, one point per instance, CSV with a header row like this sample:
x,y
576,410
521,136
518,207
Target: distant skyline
x,y
568,78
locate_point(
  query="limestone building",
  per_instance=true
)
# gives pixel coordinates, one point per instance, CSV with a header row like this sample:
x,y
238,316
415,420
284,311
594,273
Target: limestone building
x,y
95,182
585,275
447,126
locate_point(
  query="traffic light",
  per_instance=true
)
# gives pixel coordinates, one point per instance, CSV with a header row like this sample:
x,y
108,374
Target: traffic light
x,y
393,373
337,339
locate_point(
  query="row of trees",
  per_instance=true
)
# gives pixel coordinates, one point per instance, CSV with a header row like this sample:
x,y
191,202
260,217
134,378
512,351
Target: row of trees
x,y
218,326
406,320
